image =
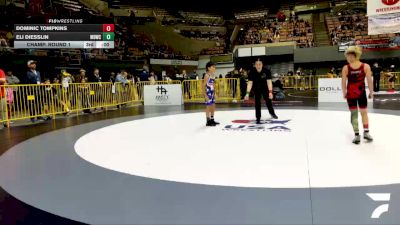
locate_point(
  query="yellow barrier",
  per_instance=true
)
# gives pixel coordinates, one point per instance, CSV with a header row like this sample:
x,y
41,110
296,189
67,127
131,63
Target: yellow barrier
x,y
3,105
45,100
311,82
226,89
384,82
31,101
308,82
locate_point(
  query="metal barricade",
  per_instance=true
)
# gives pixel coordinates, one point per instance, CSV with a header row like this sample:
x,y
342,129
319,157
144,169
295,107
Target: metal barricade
x,y
384,82
226,89
47,100
309,82
3,104
291,82
124,93
30,101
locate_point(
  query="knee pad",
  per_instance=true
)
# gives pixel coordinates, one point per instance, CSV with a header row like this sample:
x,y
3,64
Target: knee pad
x,y
354,120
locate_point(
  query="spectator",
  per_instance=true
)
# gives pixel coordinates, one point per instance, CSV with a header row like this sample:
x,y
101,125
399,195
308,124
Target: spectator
x,y
392,78
66,79
396,40
243,84
68,92
331,74
11,92
195,75
48,95
11,79
112,78
122,81
144,76
152,78
334,72
3,42
84,94
96,78
3,97
81,76
264,31
33,77
184,75
122,77
179,76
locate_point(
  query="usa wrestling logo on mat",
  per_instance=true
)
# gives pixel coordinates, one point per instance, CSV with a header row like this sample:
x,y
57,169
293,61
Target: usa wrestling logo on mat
x,y
264,126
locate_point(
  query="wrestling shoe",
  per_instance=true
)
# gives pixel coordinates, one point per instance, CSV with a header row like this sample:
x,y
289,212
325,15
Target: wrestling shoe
x,y
368,137
274,116
356,140
214,122
258,122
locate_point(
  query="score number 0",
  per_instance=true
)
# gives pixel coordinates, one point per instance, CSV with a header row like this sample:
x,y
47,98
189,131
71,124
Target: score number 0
x,y
108,27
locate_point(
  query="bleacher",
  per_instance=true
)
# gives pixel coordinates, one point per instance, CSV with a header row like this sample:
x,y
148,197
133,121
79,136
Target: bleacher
x,y
287,33
203,18
213,51
263,31
353,26
162,14
142,11
251,14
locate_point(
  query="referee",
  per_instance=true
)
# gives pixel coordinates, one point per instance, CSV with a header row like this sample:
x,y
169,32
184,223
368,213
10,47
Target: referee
x,y
260,80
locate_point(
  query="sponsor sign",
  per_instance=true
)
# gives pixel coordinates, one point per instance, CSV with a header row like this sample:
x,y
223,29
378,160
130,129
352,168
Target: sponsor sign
x,y
170,94
330,90
378,45
382,7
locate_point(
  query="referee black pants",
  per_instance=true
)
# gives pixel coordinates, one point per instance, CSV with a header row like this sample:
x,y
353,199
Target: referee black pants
x,y
258,93
377,79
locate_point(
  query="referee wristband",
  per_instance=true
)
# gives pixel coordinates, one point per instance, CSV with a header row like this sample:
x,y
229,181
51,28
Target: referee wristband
x,y
270,91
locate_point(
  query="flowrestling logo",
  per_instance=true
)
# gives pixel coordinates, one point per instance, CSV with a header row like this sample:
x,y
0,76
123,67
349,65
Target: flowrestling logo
x,y
264,126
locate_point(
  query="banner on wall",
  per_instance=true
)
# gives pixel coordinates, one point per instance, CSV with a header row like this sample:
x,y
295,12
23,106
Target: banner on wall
x,y
378,45
384,24
173,62
382,7
330,90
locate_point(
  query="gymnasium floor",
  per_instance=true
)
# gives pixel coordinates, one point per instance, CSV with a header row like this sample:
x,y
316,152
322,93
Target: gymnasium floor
x,y
152,165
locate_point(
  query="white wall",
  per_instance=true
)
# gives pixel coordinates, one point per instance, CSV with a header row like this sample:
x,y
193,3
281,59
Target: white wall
x,y
221,68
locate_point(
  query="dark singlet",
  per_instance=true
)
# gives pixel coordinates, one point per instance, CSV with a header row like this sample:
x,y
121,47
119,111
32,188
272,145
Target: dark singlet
x,y
355,82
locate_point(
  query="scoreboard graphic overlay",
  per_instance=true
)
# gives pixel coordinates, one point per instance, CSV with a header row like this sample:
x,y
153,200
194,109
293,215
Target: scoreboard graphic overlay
x,y
46,36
